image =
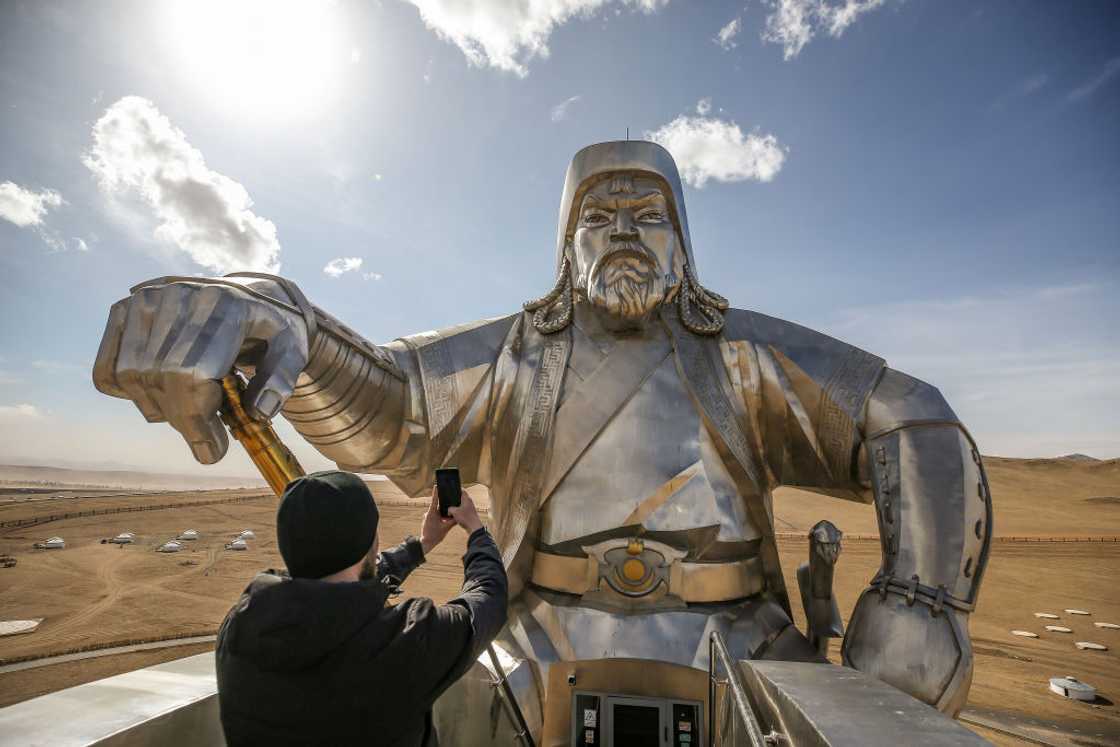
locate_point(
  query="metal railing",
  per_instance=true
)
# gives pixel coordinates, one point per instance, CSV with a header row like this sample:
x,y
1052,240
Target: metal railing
x,y
737,723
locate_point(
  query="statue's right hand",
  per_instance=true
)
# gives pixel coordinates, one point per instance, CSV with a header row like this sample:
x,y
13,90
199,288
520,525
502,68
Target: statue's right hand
x,y
166,347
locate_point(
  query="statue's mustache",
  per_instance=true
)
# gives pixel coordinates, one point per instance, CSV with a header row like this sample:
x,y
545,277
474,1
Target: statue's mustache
x,y
625,249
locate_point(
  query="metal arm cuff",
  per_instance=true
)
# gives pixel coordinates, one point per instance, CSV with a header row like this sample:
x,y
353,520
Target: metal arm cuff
x,y
318,321
296,295
915,591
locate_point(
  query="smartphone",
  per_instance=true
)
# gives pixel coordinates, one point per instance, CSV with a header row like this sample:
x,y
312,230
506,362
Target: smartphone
x,y
448,488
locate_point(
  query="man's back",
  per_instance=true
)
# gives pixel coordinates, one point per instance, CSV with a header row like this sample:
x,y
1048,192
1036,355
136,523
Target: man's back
x,y
304,661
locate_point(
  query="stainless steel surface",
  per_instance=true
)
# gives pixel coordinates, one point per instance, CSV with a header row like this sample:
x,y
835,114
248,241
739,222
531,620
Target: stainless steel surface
x,y
169,704
609,172
167,346
935,519
635,574
819,705
736,706
677,481
822,614
673,424
578,630
476,709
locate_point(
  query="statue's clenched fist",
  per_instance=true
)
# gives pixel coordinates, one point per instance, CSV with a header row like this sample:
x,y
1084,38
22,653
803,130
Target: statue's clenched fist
x,y
167,346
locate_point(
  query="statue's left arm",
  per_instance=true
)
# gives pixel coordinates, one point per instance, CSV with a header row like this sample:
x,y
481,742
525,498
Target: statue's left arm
x,y
834,419
910,627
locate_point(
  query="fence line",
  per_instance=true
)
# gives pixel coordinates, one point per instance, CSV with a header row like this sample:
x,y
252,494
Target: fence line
x,y
804,537
37,520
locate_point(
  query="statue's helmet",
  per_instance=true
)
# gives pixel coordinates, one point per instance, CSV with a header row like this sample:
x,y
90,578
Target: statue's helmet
x,y
700,310
637,157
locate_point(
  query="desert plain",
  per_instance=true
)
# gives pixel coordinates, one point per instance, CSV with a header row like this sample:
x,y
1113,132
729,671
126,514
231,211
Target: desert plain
x,y
1056,547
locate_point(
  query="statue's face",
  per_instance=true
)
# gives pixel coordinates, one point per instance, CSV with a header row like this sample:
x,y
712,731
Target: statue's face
x,y
626,255
829,552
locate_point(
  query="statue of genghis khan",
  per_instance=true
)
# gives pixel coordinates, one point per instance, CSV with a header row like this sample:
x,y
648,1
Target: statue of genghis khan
x,y
630,427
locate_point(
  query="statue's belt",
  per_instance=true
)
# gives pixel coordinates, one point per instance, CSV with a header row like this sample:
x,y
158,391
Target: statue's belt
x,y
636,568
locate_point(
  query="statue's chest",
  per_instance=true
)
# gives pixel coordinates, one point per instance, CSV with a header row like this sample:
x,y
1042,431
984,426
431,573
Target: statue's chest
x,y
653,464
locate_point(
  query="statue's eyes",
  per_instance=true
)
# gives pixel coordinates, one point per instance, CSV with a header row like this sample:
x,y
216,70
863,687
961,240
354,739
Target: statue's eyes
x,y
595,219
652,216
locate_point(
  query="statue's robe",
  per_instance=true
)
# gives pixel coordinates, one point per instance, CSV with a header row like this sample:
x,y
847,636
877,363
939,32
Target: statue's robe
x,y
539,419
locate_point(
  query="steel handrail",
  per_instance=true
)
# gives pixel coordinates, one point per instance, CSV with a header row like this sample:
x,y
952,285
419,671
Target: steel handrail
x,y
523,734
717,648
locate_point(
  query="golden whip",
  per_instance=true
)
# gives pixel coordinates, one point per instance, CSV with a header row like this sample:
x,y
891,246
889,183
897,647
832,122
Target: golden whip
x,y
277,464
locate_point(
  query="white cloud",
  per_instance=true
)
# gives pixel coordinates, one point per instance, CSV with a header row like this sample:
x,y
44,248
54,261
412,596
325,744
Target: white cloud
x,y
711,148
726,36
507,35
11,412
137,150
336,267
704,106
1089,87
25,207
372,276
793,23
560,111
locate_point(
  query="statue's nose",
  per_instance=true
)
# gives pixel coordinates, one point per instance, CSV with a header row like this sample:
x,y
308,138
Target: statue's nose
x,y
624,228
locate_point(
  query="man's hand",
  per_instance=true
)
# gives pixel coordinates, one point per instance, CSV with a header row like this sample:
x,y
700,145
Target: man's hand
x,y
435,527
465,514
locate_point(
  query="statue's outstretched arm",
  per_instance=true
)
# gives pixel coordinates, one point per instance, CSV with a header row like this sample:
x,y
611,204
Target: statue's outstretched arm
x,y
351,401
910,627
169,343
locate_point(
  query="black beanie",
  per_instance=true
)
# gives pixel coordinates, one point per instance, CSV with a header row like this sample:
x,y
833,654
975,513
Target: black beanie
x,y
326,522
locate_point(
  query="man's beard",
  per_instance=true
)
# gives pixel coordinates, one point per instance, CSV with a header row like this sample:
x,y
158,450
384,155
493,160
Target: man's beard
x,y
626,281
368,569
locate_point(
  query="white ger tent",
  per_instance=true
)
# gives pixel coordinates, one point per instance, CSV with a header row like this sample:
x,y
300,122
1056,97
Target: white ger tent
x,y
190,534
171,546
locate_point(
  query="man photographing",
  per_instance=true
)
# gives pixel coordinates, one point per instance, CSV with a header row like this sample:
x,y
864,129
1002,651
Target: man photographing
x,y
316,655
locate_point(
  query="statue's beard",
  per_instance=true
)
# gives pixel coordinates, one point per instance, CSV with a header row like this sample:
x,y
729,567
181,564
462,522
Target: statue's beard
x,y
626,281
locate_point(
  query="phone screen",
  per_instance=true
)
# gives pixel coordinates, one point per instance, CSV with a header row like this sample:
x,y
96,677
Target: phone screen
x,y
448,488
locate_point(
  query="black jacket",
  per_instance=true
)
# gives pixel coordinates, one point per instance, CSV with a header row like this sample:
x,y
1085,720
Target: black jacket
x,y
302,661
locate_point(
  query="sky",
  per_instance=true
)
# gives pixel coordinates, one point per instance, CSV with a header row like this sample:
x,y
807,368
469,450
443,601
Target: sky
x,y
936,182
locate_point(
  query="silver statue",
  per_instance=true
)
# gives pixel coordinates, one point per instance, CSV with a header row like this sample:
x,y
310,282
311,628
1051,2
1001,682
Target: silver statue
x,y
630,427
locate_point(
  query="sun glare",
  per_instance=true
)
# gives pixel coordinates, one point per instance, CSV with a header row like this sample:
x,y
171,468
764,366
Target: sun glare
x,y
263,59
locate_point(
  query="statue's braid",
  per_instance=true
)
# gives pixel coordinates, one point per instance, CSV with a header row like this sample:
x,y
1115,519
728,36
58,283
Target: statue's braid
x,y
701,310
557,303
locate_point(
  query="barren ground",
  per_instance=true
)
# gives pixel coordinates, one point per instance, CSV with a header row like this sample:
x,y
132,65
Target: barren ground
x,y
92,593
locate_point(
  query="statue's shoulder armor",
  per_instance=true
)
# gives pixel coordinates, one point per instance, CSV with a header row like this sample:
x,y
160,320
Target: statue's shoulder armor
x,y
486,332
893,397
901,400
827,361
460,347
